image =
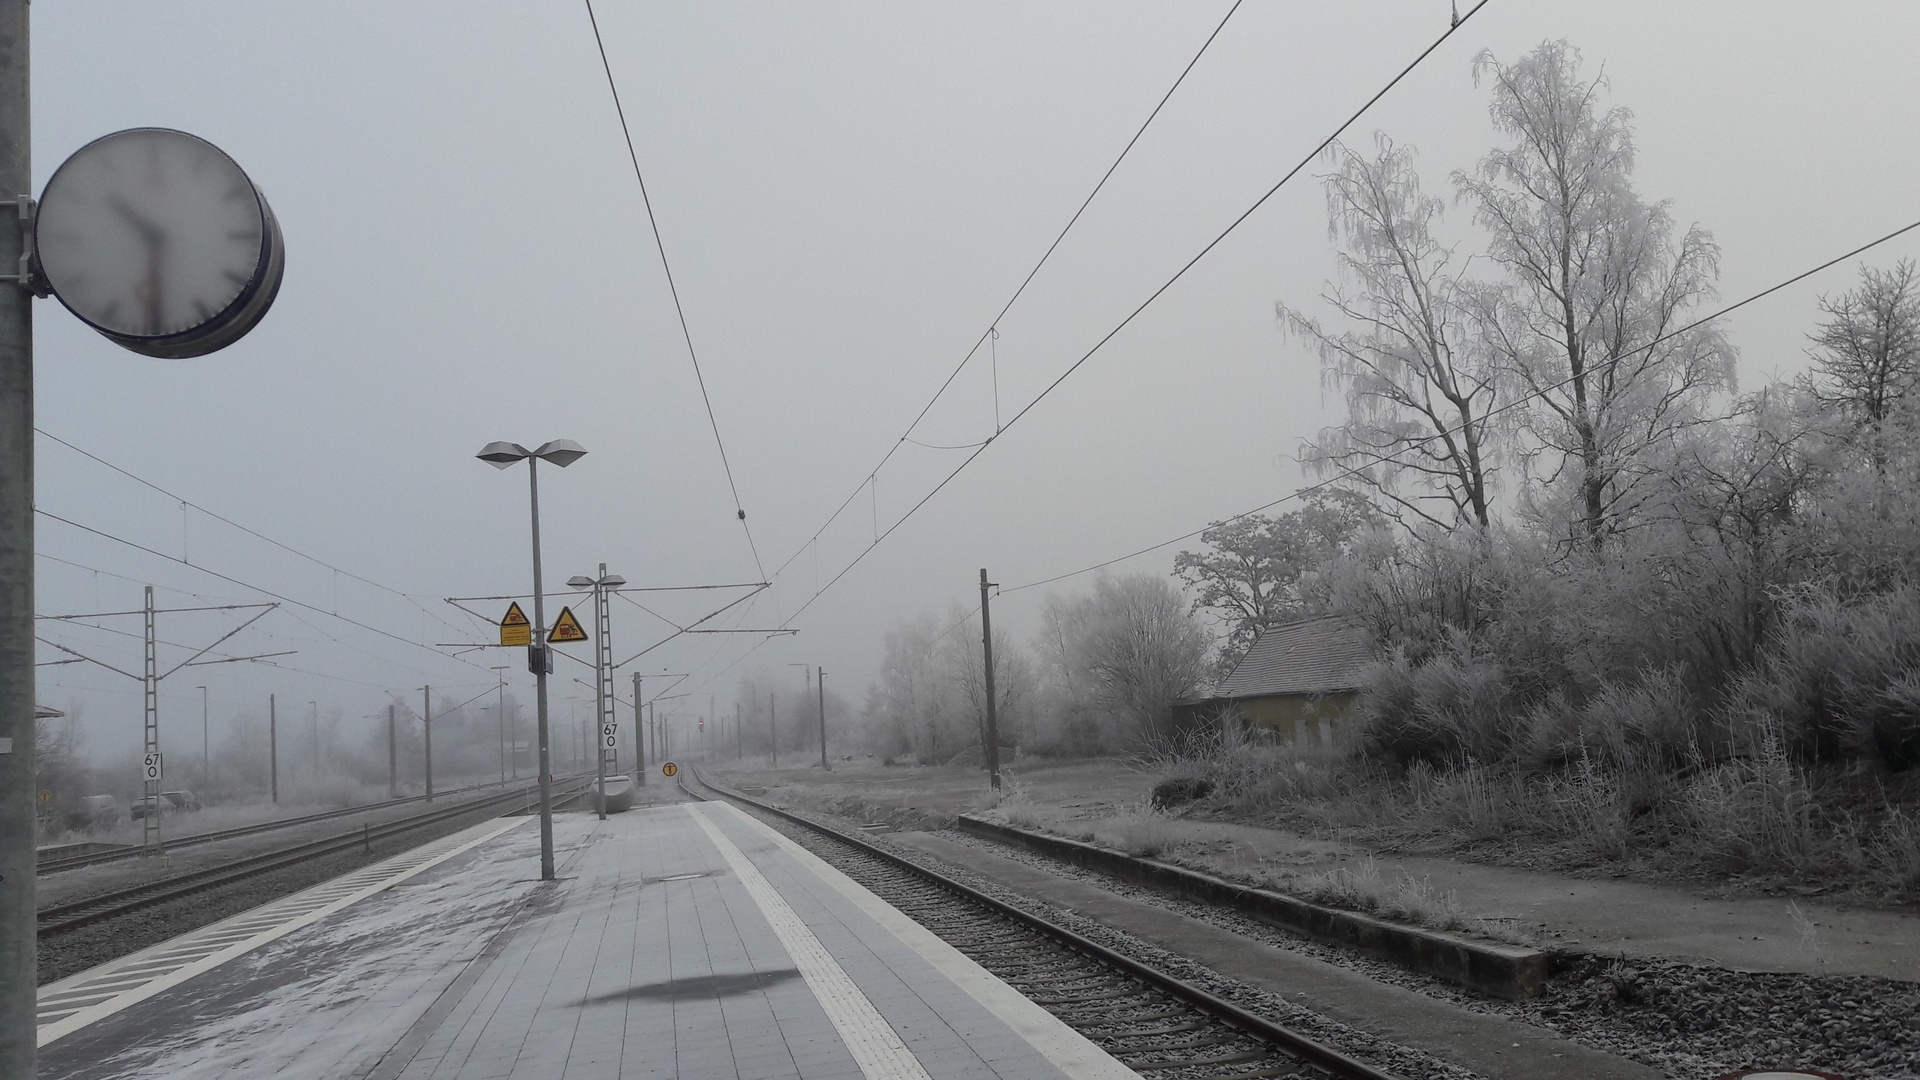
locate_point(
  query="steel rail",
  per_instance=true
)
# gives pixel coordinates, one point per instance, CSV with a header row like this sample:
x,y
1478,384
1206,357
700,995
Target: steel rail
x,y
1221,1009
130,851
59,918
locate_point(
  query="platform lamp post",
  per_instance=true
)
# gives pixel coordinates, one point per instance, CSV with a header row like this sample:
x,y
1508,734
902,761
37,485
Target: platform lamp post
x,y
602,673
500,455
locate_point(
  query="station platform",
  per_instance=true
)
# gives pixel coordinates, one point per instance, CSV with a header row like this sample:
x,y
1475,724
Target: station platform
x,y
682,940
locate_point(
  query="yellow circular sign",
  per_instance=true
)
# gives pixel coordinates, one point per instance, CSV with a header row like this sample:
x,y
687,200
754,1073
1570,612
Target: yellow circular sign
x,y
669,769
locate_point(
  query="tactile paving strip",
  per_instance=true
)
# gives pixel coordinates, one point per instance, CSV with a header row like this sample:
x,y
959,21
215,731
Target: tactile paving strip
x,y
72,1003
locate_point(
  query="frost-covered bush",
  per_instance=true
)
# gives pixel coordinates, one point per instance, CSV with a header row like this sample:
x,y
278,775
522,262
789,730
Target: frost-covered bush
x,y
1842,680
1457,706
1654,719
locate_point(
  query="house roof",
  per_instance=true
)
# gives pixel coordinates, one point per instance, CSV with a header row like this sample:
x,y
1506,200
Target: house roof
x,y
45,712
1312,656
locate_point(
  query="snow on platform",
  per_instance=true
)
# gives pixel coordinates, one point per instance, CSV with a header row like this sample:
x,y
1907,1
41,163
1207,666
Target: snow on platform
x,y
684,940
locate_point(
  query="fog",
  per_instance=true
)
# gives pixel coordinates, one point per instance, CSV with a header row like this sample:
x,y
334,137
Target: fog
x,y
847,193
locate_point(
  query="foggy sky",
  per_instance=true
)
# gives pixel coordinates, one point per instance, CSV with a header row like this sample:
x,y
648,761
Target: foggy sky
x,y
848,192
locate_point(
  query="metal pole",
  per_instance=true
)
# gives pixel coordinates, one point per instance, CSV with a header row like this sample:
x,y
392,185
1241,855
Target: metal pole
x,y
316,738
393,758
993,725
821,685
426,723
773,731
17,783
501,704
206,753
600,688
640,744
150,693
540,680
273,748
739,747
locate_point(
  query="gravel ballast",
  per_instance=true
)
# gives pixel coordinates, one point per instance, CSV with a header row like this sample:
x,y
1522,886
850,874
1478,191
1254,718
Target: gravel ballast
x,y
1688,1020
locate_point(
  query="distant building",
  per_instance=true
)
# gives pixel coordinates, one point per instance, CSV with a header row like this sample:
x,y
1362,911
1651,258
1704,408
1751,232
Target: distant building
x,y
1298,680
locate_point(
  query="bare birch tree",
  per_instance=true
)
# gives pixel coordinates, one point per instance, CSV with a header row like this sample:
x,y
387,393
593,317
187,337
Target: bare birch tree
x,y
1594,289
1417,386
1867,355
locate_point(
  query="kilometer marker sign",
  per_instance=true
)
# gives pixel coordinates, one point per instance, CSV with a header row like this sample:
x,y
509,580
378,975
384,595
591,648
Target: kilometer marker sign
x,y
514,627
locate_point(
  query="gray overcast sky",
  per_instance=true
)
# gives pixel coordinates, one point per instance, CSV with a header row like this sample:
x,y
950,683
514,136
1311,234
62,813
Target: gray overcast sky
x,y
848,193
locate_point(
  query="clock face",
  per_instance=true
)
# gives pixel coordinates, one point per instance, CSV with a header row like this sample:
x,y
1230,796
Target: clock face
x,y
157,239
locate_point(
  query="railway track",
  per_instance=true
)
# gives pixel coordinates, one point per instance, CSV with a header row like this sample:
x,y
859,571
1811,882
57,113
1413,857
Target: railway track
x,y
59,918
1158,1025
130,851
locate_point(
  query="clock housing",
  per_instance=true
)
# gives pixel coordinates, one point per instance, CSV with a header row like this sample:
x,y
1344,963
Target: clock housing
x,y
160,241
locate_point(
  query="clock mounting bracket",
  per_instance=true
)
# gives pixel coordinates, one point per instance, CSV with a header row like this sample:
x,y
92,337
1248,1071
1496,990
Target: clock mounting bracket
x,y
27,274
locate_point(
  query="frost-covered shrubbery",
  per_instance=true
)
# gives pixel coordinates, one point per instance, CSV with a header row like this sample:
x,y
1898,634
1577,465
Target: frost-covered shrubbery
x,y
1842,680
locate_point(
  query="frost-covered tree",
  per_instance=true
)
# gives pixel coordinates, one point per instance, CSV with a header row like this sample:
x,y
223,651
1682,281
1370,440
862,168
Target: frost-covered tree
x,y
1128,650
1014,681
1417,384
1866,355
917,703
1252,578
1594,291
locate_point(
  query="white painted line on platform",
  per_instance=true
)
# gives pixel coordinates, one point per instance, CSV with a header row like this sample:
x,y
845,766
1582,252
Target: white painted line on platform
x,y
1069,1051
875,1047
72,1003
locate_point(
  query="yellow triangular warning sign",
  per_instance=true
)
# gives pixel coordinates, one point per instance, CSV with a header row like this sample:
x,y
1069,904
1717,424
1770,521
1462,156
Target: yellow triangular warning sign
x,y
567,628
514,628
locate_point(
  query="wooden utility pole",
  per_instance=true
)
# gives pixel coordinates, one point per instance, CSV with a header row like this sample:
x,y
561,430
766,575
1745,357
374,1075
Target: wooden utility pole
x,y
993,725
820,685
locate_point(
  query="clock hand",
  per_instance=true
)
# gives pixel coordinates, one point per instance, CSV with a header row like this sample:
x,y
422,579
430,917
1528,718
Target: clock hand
x,y
155,238
152,234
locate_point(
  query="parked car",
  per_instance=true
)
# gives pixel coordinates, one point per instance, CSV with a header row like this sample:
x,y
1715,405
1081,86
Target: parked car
x,y
170,801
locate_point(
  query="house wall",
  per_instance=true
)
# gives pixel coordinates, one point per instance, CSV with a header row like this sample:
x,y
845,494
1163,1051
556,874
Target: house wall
x,y
1297,717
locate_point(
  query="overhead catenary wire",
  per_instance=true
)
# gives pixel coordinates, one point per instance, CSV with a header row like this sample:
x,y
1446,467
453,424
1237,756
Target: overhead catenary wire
x,y
206,599
103,534
674,290
188,503
1380,459
992,331
1148,302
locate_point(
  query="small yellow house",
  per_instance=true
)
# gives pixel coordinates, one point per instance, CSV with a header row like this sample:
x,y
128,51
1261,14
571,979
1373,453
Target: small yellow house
x,y
1299,679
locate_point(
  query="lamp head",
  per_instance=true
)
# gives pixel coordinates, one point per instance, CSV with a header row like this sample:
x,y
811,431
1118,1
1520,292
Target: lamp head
x,y
561,452
580,581
502,454
613,581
